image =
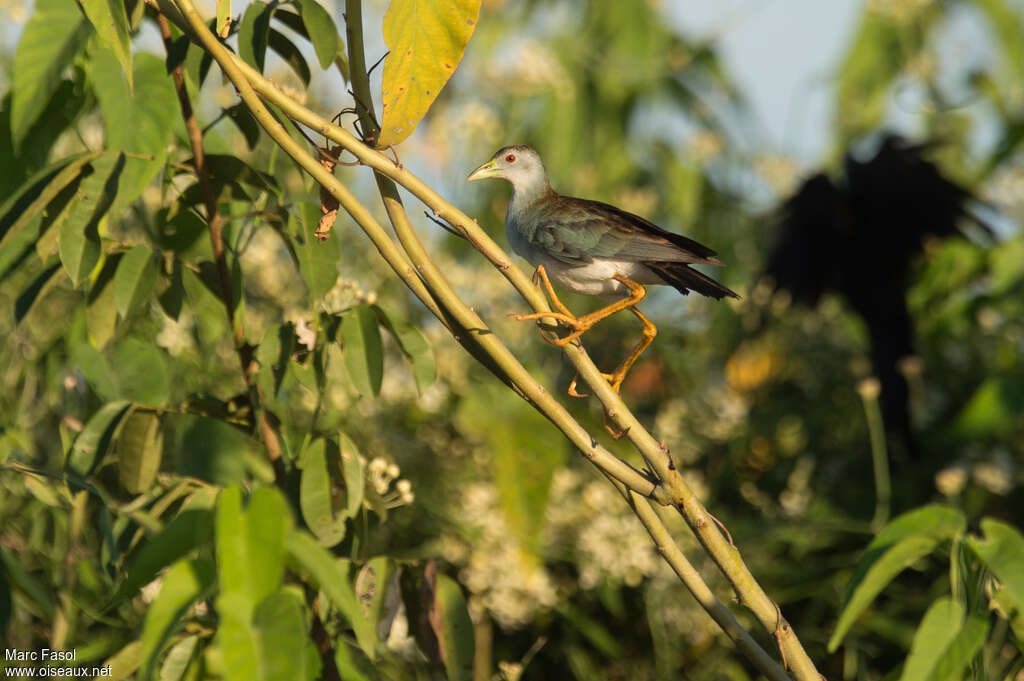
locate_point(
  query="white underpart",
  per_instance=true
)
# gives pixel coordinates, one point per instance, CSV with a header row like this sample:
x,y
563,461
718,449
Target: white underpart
x,y
596,278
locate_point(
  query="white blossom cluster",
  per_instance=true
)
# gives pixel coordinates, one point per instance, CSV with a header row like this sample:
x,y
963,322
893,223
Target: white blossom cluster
x,y
380,473
504,578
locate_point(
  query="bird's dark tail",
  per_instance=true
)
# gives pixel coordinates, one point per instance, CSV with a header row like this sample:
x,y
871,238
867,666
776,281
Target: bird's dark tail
x,y
687,279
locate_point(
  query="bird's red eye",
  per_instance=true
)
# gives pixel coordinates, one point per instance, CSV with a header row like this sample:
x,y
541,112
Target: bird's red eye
x,y
511,158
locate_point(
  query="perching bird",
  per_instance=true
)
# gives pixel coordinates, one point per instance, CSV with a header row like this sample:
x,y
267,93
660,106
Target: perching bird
x,y
593,248
859,237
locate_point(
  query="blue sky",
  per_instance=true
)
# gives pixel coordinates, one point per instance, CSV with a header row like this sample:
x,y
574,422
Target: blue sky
x,y
782,54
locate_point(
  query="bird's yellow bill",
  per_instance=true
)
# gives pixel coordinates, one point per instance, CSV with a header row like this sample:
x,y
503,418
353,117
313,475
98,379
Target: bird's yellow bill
x,y
489,169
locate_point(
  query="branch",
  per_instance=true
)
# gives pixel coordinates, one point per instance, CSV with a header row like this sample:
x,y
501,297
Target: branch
x,y
672,490
413,246
679,495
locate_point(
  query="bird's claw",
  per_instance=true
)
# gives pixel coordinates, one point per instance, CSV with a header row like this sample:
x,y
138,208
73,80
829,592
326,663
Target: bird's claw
x,y
575,324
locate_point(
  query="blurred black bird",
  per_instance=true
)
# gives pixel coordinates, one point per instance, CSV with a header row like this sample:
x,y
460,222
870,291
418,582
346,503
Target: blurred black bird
x,y
859,238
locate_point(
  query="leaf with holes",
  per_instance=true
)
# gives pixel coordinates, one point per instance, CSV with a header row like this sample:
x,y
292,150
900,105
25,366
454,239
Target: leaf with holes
x,y
319,488
426,39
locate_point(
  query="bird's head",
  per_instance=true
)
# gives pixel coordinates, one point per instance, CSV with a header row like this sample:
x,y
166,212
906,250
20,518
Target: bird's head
x,y
518,164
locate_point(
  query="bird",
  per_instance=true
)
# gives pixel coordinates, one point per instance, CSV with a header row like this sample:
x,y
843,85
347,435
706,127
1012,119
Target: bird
x,y
859,237
593,248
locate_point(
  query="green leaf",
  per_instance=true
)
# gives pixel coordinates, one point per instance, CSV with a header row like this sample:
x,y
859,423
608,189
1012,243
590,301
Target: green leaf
x,y
141,124
79,231
414,346
286,652
939,522
22,580
139,444
171,290
353,665
364,354
426,40
960,653
900,544
56,31
274,355
135,279
938,628
236,639
321,31
450,621
92,443
109,19
22,214
352,470
291,55
318,489
250,545
101,310
178,659
141,372
187,531
185,582
124,663
70,100
38,289
993,410
306,556
1002,551
372,585
253,34
243,119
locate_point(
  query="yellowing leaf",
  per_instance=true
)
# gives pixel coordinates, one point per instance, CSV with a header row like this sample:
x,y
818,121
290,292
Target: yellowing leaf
x,y
426,39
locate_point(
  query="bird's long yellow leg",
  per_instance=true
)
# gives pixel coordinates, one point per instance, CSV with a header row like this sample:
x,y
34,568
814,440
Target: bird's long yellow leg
x,y
618,376
581,324
650,331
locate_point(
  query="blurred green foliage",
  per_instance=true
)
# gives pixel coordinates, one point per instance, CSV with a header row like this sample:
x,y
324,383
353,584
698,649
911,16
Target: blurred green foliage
x,y
140,522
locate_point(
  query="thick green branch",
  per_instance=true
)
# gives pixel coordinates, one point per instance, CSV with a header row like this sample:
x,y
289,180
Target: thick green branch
x,y
689,576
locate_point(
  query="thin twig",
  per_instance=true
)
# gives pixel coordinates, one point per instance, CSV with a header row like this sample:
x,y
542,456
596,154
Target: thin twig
x,y
444,225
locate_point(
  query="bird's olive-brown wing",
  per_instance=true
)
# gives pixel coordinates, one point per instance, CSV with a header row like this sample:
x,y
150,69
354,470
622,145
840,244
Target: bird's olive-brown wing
x,y
576,231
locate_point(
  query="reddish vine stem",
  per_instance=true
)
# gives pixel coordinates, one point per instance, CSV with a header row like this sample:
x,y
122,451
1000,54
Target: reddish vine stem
x,y
215,222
